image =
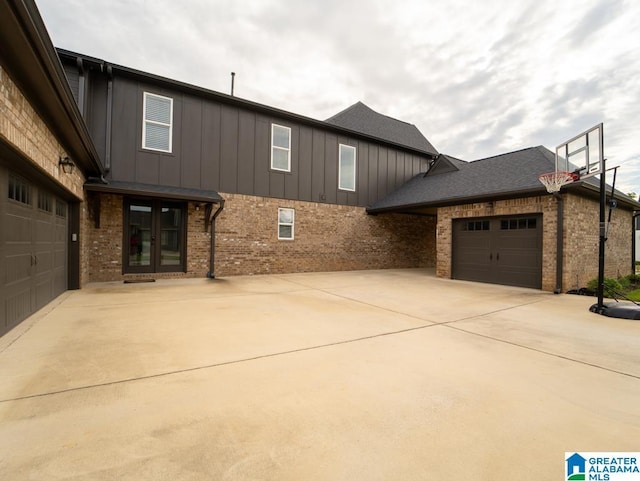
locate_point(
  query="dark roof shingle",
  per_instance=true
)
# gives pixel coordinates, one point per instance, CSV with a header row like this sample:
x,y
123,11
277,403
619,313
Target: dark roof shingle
x,y
514,172
365,120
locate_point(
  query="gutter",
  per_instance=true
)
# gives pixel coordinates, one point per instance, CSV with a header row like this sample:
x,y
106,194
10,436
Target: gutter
x,y
212,221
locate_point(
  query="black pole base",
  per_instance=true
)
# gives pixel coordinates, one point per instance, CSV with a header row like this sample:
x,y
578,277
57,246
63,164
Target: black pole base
x,y
618,309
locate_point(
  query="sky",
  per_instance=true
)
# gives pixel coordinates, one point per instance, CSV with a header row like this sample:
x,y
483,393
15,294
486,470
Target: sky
x,y
477,78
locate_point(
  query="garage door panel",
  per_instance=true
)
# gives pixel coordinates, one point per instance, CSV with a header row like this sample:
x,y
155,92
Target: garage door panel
x,y
18,306
33,248
500,250
18,269
44,291
18,225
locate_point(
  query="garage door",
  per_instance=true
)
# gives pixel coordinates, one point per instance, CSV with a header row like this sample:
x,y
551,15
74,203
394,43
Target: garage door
x,y
499,250
33,248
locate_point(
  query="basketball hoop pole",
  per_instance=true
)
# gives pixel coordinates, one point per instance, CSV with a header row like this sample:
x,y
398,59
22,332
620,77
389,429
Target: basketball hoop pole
x,y
603,238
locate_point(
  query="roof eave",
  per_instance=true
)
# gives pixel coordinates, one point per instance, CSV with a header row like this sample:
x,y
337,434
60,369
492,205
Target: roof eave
x,y
32,61
460,200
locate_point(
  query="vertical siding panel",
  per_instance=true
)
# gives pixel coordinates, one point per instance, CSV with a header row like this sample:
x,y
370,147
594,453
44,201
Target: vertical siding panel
x,y
229,150
383,173
210,162
305,164
97,111
373,174
362,166
246,152
331,167
262,157
276,184
392,168
191,152
400,176
291,179
126,130
317,167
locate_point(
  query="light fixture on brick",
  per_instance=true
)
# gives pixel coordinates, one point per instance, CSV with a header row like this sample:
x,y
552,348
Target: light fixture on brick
x,y
67,164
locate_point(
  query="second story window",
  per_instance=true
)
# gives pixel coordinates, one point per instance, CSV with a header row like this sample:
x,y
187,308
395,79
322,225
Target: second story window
x,y
157,125
280,148
347,168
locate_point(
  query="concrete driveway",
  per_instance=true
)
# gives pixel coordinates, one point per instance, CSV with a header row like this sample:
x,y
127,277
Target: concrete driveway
x,y
377,375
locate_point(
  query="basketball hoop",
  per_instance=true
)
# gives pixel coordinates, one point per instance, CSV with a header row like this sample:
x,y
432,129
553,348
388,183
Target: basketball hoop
x,y
554,181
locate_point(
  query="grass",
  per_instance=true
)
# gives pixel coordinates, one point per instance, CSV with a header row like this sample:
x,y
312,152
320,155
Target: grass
x,y
634,295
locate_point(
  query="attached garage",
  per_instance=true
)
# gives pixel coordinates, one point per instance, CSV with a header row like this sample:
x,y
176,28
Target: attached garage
x,y
33,247
498,250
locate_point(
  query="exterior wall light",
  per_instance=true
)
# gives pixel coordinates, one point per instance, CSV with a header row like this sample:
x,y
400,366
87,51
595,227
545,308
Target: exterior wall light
x,y
67,164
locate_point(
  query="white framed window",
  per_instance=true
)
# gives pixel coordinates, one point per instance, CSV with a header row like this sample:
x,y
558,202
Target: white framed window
x,y
157,124
286,220
280,148
347,168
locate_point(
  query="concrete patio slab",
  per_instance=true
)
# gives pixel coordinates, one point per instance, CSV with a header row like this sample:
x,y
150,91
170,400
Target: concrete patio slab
x,y
353,375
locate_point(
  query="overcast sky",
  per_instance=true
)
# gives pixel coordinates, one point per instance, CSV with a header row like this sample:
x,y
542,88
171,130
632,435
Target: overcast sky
x,y
478,78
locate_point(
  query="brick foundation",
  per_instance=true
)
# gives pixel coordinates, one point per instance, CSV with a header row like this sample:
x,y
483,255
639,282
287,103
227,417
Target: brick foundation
x,y
327,238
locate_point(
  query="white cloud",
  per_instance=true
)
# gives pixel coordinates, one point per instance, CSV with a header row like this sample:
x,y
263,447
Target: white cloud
x,y
477,78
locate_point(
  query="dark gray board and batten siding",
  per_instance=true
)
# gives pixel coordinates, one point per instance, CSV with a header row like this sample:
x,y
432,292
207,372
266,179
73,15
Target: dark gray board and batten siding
x,y
226,148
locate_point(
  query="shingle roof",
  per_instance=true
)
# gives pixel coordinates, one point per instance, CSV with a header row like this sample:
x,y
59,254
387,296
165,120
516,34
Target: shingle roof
x,y
163,191
514,172
363,119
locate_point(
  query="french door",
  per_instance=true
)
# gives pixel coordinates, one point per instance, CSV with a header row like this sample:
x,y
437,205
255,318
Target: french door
x,y
155,236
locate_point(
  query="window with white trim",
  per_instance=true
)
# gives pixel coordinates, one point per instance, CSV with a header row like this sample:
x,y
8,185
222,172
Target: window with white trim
x,y
286,219
280,148
157,125
347,168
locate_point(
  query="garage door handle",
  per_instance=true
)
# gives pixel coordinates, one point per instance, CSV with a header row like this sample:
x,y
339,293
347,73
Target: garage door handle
x,y
498,256
490,257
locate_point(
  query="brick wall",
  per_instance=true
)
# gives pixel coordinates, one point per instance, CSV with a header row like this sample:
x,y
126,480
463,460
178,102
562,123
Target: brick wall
x,y
24,129
582,220
327,238
581,235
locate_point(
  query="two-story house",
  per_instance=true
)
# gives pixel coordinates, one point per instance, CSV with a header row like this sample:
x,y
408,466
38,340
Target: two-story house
x,y
109,174
198,182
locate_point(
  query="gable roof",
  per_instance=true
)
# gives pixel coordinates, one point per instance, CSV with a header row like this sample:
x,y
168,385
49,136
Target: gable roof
x,y
514,174
363,119
502,175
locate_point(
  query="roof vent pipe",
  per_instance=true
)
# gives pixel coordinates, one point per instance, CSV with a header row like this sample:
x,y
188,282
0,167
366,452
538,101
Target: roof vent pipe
x,y
233,77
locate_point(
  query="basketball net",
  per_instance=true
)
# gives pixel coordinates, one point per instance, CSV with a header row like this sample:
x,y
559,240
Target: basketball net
x,y
554,181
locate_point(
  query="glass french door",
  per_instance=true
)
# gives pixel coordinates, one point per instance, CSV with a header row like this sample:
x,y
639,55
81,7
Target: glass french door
x,y
155,236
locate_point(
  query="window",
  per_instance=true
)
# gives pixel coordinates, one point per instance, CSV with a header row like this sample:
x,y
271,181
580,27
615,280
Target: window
x,y
475,225
19,190
347,168
61,208
285,224
522,223
280,148
157,125
45,201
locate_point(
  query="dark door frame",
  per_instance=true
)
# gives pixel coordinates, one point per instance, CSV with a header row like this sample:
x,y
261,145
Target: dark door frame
x,y
156,205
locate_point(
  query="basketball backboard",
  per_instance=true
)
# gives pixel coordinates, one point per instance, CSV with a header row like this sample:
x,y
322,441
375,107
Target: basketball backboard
x,y
583,154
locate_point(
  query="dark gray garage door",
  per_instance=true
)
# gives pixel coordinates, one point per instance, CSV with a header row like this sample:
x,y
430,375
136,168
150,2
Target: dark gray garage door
x,y
33,248
499,250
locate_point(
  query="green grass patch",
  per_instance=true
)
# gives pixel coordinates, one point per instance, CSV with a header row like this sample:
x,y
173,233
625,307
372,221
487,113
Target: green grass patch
x,y
634,295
